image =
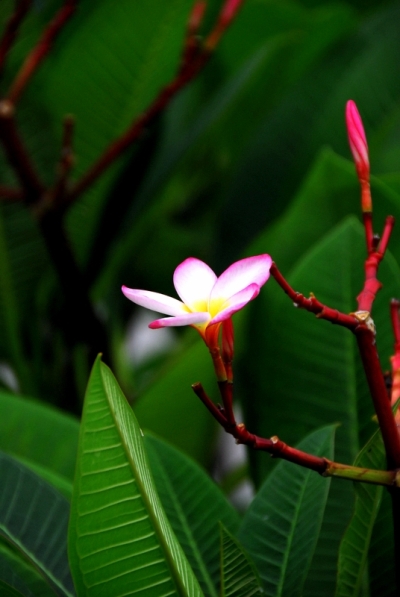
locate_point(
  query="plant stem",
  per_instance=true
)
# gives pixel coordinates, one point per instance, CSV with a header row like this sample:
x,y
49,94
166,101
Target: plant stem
x,y
373,372
40,51
312,304
11,29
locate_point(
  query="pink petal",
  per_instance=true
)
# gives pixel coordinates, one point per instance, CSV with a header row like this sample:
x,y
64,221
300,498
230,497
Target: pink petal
x,y
357,138
238,276
236,302
187,319
193,281
154,301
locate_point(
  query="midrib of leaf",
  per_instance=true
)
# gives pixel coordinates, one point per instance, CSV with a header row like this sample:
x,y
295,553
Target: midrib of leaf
x,y
29,556
189,535
289,544
150,499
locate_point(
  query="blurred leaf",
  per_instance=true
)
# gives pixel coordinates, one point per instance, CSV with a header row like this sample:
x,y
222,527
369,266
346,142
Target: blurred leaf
x,y
381,563
8,591
362,67
120,541
281,526
170,400
239,577
110,83
62,484
34,518
25,576
354,547
28,428
184,489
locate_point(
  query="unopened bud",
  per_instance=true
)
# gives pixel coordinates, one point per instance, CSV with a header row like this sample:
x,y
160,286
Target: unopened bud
x,y
359,149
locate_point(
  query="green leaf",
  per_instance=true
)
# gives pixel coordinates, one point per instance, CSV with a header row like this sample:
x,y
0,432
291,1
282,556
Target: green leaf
x,y
28,427
381,563
239,577
120,541
10,583
24,576
184,488
9,591
281,527
34,518
354,547
62,484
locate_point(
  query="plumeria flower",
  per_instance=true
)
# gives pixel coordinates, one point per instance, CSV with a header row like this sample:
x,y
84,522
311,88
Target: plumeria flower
x,y
206,300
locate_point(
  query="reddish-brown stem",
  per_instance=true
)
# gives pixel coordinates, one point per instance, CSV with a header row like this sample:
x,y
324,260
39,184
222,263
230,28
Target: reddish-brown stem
x,y
116,148
395,318
312,304
187,71
209,404
371,285
11,29
65,164
192,43
17,154
226,392
10,194
376,382
226,16
40,51
369,232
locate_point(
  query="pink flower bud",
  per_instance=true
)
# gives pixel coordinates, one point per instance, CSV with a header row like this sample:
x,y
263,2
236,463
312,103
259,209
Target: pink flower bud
x,y
357,140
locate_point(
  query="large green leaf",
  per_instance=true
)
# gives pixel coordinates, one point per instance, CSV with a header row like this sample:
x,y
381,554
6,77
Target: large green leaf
x,y
120,541
281,527
34,519
354,547
184,489
239,577
28,428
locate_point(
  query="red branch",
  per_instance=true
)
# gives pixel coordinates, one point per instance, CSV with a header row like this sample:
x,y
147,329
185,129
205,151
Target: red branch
x,y
373,372
312,304
375,255
194,58
40,51
11,29
273,446
17,154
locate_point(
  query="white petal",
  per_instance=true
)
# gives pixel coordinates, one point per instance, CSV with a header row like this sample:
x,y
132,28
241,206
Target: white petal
x,y
239,275
236,302
193,281
154,301
187,319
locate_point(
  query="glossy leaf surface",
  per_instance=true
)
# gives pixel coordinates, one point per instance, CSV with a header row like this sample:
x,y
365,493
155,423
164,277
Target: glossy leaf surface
x,y
120,541
34,519
194,506
239,577
281,526
354,547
